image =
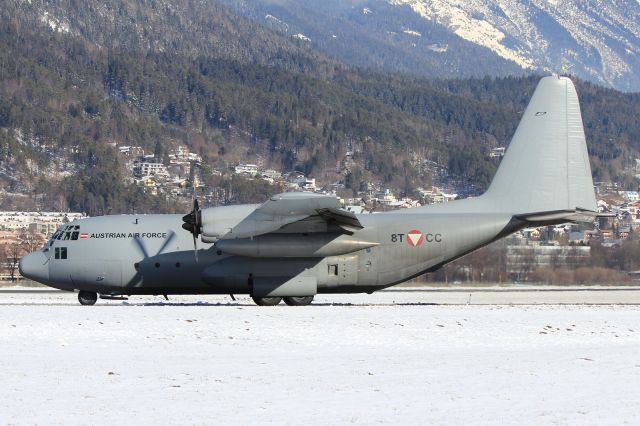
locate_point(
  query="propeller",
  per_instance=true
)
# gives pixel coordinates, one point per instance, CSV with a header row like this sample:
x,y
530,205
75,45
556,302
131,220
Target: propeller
x,y
193,224
143,248
145,254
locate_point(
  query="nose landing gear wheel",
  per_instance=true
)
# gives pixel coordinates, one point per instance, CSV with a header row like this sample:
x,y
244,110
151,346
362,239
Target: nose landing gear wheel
x,y
266,301
87,297
298,301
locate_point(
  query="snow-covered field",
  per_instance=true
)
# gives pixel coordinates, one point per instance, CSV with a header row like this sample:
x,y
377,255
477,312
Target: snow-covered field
x,y
235,363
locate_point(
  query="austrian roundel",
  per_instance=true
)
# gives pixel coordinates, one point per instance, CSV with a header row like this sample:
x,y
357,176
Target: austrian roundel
x,y
415,238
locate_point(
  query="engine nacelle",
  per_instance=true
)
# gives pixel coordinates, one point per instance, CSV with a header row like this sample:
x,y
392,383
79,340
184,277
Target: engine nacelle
x,y
293,245
217,221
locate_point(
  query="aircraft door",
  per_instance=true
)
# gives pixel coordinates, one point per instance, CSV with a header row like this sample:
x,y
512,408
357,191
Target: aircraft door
x,y
339,270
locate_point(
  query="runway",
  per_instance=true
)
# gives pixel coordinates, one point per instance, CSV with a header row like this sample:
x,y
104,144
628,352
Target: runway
x,y
512,295
393,357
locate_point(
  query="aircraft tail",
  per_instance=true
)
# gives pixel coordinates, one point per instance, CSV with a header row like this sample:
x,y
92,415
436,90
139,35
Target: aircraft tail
x,y
545,174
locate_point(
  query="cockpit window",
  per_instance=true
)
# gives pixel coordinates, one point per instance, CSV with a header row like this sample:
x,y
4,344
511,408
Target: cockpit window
x,y
54,237
66,232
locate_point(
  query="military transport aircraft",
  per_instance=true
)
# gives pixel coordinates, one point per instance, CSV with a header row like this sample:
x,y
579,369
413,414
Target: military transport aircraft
x,y
296,245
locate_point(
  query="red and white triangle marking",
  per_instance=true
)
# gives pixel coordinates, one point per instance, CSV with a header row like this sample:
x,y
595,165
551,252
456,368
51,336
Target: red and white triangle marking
x,y
415,238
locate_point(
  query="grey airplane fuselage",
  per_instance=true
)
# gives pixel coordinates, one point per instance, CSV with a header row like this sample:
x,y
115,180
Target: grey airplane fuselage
x,y
296,245
119,254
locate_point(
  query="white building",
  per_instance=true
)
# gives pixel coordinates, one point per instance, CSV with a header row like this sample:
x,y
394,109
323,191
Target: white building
x,y
246,169
271,174
131,151
152,169
183,155
45,223
309,184
630,195
436,196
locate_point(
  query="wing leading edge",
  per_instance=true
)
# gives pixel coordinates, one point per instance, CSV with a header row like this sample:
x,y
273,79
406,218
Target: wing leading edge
x,y
299,212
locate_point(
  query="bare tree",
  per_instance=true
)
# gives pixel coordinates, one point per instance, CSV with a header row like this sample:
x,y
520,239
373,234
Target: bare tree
x,y
30,240
3,259
13,253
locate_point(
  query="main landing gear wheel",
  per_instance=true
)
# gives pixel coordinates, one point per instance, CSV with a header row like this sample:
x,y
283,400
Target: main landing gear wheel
x,y
298,300
87,297
266,301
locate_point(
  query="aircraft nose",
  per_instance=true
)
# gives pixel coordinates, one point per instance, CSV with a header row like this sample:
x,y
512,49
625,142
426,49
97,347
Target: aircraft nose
x,y
35,266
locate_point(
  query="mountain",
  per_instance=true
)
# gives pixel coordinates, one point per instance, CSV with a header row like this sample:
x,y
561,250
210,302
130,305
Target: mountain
x,y
597,40
80,79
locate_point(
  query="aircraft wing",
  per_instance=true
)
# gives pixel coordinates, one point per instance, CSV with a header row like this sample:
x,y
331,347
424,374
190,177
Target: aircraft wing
x,y
344,219
296,212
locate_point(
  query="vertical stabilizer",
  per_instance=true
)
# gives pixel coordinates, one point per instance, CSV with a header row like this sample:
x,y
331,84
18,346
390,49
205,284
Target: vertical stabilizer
x,y
546,167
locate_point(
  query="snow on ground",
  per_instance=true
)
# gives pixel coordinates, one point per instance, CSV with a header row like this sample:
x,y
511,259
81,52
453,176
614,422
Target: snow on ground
x,y
210,360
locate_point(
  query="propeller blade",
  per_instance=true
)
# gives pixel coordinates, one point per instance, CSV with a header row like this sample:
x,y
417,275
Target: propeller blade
x,y
195,247
193,220
141,246
193,224
197,213
170,238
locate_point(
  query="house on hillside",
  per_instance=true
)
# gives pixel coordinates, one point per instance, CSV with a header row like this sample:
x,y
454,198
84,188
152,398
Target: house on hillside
x,y
246,169
152,169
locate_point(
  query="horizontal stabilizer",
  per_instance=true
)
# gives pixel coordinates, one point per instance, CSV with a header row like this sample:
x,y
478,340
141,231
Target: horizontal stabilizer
x,y
559,216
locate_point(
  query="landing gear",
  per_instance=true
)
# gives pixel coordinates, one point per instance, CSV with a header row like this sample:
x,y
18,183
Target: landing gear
x,y
266,301
87,297
298,301
291,300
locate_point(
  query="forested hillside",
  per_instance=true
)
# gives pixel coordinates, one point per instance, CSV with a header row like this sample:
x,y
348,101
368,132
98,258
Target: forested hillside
x,y
77,79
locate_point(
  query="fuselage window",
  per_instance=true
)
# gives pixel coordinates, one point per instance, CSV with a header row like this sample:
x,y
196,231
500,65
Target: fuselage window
x,y
61,253
67,235
74,235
